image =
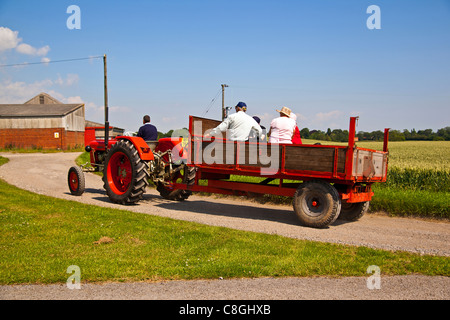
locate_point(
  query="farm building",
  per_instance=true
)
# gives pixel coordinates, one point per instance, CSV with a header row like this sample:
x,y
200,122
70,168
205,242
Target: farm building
x,y
43,122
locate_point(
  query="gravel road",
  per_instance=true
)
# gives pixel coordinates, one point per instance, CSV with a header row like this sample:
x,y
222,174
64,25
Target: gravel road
x,y
47,174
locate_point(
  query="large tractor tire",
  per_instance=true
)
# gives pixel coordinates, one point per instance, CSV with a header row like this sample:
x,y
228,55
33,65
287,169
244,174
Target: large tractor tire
x,y
76,181
317,204
124,175
353,211
166,189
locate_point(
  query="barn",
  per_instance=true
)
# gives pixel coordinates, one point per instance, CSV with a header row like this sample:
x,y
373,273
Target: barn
x,y
42,122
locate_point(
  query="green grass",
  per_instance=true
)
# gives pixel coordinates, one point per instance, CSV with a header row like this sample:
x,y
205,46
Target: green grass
x,y
83,159
419,203
3,160
41,237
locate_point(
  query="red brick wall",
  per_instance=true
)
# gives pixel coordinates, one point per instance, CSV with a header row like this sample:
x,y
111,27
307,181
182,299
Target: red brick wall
x,y
40,138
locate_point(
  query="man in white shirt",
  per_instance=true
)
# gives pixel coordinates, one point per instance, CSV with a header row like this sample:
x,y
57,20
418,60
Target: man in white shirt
x,y
239,125
282,128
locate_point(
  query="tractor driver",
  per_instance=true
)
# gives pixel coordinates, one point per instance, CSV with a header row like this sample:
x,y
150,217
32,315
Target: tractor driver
x,y
148,132
238,124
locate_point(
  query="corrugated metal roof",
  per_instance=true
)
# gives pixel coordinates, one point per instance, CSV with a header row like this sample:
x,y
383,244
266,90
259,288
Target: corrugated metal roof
x,y
37,110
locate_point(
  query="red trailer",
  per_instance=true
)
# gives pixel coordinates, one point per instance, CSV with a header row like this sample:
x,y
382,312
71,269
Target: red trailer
x,y
325,181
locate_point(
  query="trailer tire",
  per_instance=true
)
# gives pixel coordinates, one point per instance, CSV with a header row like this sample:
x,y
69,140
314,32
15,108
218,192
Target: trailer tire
x,y
178,194
317,204
76,181
124,173
353,211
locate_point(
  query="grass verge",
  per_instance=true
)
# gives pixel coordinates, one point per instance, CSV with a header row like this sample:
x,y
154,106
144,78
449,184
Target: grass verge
x,y
41,237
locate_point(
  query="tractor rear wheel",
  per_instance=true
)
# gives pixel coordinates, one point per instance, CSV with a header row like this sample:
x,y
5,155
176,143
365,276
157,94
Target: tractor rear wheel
x,y
353,211
124,175
166,189
317,204
76,181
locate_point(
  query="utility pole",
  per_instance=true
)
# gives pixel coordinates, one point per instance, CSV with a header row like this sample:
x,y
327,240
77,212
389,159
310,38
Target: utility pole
x,y
223,101
106,103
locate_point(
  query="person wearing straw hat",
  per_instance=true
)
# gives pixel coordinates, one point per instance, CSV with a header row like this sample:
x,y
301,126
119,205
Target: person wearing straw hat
x,y
282,128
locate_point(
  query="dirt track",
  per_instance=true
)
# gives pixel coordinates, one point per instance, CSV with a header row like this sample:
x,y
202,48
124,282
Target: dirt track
x,y
47,174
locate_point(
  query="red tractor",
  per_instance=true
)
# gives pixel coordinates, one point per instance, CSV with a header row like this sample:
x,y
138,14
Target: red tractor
x,y
130,164
325,181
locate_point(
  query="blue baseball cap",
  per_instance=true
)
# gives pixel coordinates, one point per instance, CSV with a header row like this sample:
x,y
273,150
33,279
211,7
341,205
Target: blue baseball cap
x,y
241,105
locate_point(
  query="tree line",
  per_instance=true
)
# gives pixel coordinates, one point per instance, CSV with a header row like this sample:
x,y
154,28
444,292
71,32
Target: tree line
x,y
394,135
339,135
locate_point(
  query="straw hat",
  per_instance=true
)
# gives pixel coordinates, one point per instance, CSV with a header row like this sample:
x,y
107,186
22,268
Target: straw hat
x,y
285,111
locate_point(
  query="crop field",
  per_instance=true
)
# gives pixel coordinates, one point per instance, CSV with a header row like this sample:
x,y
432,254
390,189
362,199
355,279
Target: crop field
x,y
433,155
418,180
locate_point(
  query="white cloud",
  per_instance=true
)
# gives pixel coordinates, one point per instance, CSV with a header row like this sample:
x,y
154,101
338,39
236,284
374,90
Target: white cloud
x,y
328,116
19,91
9,39
25,48
73,100
70,80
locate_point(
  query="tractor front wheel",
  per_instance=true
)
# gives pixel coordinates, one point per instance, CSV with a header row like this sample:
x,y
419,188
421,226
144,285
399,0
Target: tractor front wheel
x,y
124,175
76,181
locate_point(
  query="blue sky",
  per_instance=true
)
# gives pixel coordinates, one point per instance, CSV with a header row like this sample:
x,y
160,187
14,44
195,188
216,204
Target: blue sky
x,y
168,59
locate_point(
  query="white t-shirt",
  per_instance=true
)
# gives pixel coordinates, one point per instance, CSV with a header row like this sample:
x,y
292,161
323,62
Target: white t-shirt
x,y
281,130
239,125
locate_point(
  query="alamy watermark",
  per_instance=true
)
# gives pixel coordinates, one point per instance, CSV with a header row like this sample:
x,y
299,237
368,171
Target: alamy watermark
x,y
374,20
74,281
74,20
374,281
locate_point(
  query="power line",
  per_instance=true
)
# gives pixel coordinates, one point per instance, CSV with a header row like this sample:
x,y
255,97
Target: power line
x,y
47,62
212,102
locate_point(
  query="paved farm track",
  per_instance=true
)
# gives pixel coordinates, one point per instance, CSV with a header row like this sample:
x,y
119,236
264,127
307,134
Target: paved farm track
x,y
47,174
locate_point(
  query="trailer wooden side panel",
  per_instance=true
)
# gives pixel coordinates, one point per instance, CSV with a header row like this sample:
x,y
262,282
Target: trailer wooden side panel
x,y
314,158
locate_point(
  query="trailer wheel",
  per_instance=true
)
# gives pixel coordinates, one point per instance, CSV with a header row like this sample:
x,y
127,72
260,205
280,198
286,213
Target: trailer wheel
x,y
76,181
353,211
124,175
317,204
168,192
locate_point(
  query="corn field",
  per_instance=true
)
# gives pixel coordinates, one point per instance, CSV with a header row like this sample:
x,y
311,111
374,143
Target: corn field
x,y
418,181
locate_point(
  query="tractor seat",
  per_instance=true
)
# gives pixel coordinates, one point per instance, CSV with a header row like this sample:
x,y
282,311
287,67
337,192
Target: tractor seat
x,y
152,144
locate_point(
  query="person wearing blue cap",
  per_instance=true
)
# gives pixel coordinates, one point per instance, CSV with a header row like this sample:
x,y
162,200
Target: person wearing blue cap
x,y
253,135
239,125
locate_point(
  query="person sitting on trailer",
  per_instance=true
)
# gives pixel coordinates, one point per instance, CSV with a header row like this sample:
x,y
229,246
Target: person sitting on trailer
x,y
148,132
239,125
282,128
254,136
296,138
